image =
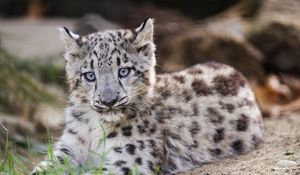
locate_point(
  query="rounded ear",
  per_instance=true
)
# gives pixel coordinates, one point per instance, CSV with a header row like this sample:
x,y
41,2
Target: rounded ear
x,y
70,39
72,44
144,33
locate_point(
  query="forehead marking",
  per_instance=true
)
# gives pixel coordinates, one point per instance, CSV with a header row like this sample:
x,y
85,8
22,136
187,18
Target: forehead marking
x,y
118,61
92,64
125,58
95,53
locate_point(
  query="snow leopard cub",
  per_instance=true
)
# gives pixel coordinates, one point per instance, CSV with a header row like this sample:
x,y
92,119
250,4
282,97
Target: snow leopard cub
x,y
160,124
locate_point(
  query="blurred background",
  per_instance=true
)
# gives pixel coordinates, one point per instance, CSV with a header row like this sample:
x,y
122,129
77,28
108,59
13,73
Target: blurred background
x,y
260,38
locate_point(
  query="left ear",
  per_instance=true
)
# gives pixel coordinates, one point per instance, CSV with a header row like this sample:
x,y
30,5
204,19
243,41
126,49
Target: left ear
x,y
144,38
144,33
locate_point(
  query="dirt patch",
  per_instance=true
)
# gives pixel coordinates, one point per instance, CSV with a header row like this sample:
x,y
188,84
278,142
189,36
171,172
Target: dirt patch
x,y
282,142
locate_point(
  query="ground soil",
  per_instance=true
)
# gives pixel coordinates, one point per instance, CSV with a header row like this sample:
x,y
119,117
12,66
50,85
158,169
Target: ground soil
x,y
282,136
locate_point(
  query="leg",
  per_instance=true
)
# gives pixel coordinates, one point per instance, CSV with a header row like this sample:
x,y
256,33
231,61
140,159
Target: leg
x,y
60,155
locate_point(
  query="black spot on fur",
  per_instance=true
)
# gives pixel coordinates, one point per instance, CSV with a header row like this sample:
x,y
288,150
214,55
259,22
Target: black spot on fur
x,y
171,165
141,129
179,78
66,151
150,166
81,140
125,58
120,163
237,146
144,49
219,135
125,170
71,131
164,92
194,128
242,123
77,115
229,107
214,115
187,96
154,154
229,85
130,148
195,110
112,134
84,100
141,144
77,84
138,161
215,152
118,61
152,130
92,63
119,34
60,159
118,149
194,145
152,143
131,116
200,87
158,78
146,123
127,130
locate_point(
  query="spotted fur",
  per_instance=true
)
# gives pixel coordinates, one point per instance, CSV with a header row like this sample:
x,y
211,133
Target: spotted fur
x,y
169,122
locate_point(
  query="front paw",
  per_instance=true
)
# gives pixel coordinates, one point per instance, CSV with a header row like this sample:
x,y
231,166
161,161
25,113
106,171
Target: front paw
x,y
41,168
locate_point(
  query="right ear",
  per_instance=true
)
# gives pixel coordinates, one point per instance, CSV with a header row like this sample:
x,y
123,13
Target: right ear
x,y
70,39
71,42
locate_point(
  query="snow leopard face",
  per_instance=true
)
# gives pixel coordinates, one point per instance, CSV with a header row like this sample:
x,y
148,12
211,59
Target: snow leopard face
x,y
112,71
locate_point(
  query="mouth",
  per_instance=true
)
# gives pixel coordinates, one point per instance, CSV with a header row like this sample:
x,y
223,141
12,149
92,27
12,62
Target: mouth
x,y
110,110
117,108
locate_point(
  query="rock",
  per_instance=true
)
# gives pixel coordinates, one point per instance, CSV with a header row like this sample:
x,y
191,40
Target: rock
x,y
182,42
272,96
278,9
33,39
275,32
48,117
286,163
200,45
91,23
279,41
14,129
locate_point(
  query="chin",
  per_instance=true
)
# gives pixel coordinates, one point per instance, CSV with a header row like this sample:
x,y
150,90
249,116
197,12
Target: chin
x,y
111,116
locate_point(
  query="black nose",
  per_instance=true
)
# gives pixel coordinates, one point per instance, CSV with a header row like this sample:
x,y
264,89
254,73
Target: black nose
x,y
110,102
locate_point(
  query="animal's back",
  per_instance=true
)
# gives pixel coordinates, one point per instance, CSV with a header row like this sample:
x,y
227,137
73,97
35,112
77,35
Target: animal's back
x,y
206,112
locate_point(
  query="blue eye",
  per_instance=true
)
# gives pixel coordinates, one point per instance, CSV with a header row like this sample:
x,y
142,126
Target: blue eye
x,y
89,76
123,72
